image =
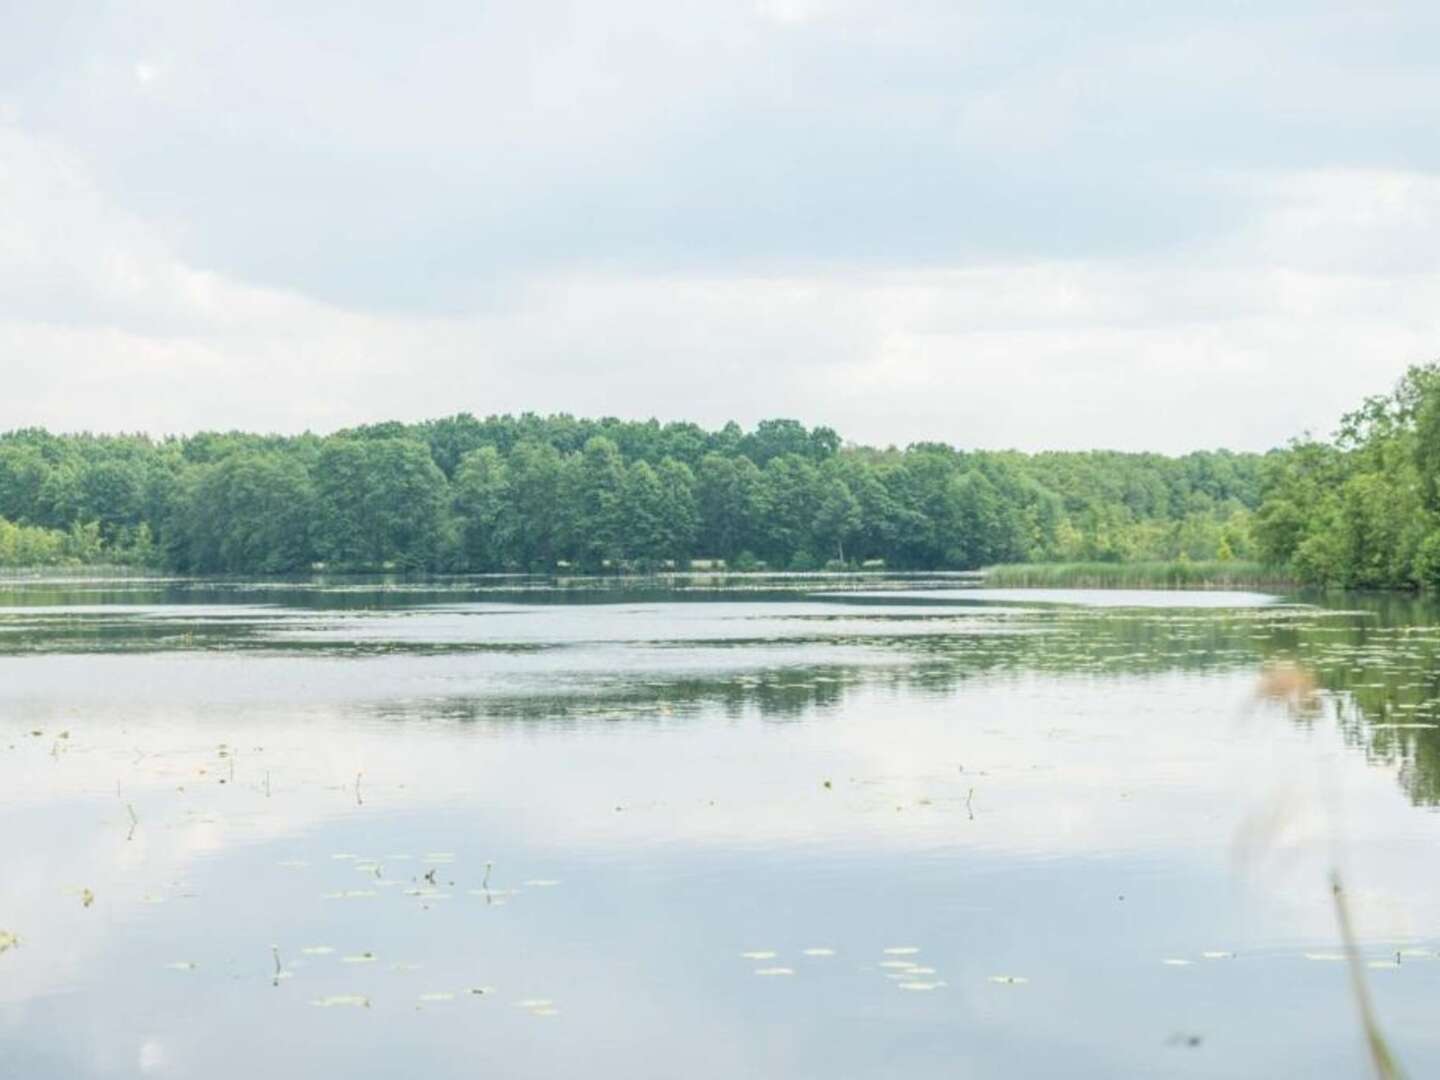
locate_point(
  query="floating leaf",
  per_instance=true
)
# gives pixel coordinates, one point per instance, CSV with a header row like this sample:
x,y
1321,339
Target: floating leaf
x,y
182,965
359,958
342,999
758,954
1009,980
8,940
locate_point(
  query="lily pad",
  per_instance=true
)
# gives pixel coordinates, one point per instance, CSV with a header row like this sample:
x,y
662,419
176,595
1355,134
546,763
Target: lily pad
x,y
356,1000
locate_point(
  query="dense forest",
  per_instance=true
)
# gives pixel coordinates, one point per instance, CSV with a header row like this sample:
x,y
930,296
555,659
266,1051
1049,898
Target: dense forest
x,y
1362,510
532,493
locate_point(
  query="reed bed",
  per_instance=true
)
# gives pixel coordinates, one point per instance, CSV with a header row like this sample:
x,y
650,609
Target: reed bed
x,y
1176,574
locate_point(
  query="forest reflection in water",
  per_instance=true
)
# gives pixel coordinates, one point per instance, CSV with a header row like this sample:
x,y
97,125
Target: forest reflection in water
x,y
962,826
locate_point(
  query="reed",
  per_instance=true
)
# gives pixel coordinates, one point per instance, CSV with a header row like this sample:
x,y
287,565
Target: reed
x,y
1176,574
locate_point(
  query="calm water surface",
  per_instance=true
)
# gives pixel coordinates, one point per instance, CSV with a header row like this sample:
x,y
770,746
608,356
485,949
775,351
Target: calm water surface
x,y
793,827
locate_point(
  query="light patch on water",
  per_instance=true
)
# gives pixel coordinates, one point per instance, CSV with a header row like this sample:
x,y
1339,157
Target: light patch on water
x,y
317,950
1175,961
334,1000
818,952
182,965
758,954
152,1057
901,950
1008,980
921,985
774,971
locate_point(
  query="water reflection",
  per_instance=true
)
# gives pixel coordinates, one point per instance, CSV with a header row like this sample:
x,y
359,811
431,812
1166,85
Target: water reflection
x,y
455,828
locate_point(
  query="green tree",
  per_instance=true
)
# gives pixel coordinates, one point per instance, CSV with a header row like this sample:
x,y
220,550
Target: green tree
x,y
483,505
379,502
837,518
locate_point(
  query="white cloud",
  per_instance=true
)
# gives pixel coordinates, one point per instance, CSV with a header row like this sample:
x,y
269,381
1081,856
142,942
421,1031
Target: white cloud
x,y
596,231
792,12
104,326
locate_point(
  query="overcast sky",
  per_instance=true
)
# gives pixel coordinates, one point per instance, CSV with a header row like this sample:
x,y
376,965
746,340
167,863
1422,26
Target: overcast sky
x,y
1064,224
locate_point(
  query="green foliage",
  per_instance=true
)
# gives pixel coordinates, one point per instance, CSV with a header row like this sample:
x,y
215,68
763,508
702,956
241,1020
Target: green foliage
x,y
533,493
483,505
250,511
1177,574
1362,512
379,503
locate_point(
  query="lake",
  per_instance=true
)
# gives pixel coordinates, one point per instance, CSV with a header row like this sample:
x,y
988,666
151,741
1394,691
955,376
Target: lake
x,y
764,827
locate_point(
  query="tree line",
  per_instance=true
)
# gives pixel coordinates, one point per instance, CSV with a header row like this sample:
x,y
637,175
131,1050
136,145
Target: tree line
x,y
1361,510
533,493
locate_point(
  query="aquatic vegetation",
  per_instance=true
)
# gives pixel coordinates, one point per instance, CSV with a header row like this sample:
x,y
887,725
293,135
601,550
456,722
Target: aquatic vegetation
x,y
342,1001
1076,734
1176,574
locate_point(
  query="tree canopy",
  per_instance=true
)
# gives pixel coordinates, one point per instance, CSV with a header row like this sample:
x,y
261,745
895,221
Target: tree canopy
x,y
531,493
